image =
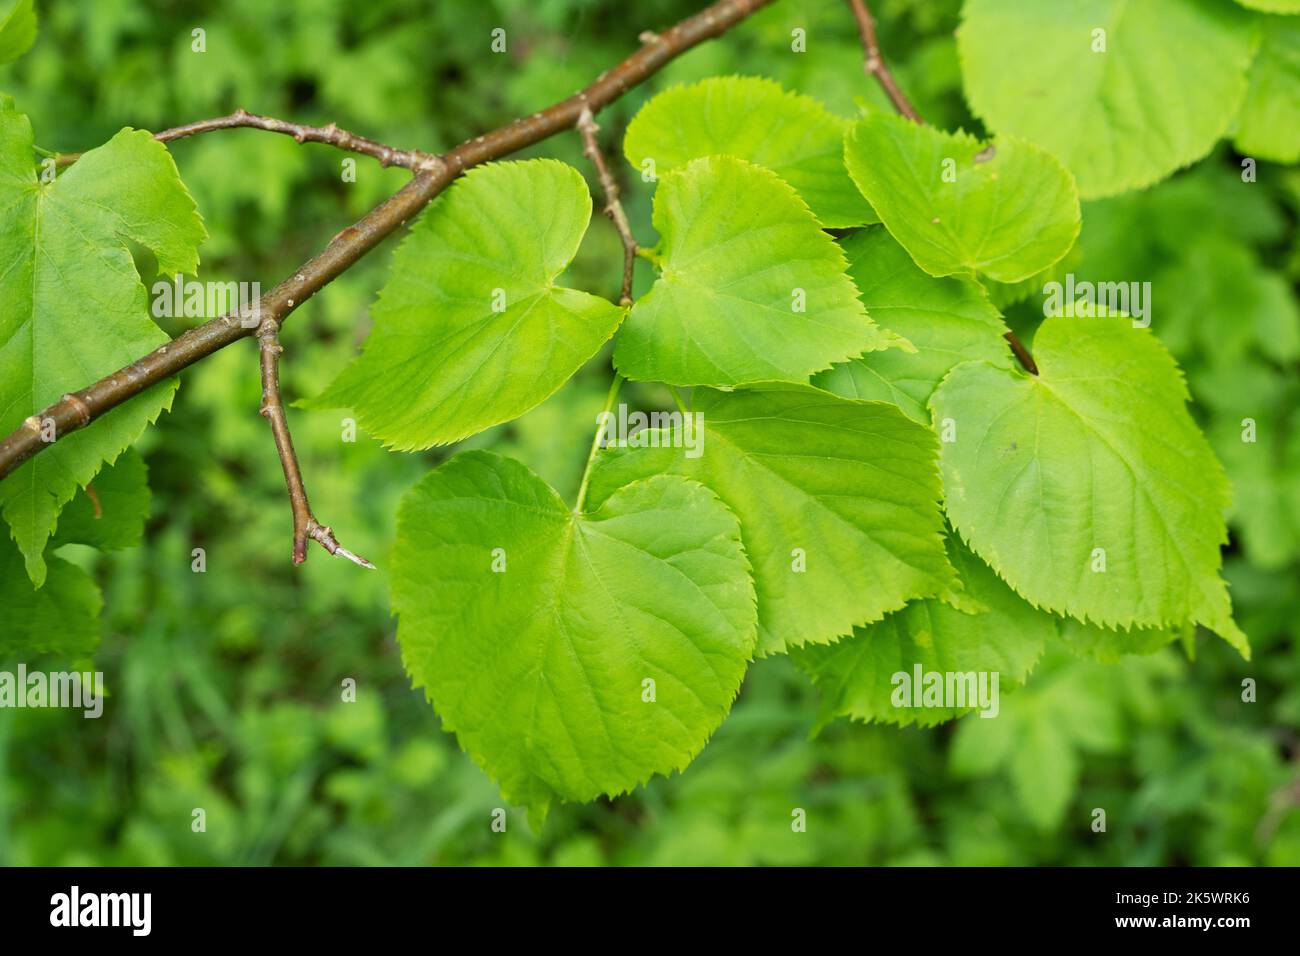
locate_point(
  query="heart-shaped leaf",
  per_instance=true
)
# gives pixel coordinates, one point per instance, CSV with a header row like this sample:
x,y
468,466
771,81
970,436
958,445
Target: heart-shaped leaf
x,y
1007,210
471,329
1088,487
572,654
750,288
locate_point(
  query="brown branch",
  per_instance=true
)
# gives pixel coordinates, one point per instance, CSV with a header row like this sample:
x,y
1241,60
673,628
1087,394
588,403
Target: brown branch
x,y
613,208
305,524
874,65
411,159
77,410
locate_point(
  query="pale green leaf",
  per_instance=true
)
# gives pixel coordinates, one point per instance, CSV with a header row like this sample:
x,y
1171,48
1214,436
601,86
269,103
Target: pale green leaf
x,y
17,30
1006,210
1269,124
750,288
72,307
541,667
755,119
1094,463
471,329
948,320
856,674
1167,86
846,490
114,517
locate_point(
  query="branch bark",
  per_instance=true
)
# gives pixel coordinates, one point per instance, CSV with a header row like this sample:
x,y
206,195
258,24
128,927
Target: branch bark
x,y
411,159
874,65
78,409
613,207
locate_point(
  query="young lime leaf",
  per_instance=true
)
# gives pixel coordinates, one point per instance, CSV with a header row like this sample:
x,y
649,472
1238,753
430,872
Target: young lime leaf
x,y
1007,210
856,674
1088,487
72,308
573,655
948,320
60,618
111,513
1269,124
1089,80
750,288
755,119
471,329
17,30
838,502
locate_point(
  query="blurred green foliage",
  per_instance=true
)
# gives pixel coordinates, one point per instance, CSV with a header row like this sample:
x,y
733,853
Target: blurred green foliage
x,y
225,686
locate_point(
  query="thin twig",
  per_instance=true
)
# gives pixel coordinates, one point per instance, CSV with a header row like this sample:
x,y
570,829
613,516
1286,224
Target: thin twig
x,y
613,208
411,159
76,410
305,524
874,63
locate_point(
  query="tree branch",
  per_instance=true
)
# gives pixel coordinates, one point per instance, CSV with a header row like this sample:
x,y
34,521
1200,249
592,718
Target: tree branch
x,y
411,159
874,65
305,524
79,409
613,208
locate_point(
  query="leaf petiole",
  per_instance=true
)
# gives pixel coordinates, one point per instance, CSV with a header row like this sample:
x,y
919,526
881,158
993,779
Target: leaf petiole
x,y
595,441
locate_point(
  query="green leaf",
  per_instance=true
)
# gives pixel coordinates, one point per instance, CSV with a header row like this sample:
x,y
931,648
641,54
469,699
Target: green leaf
x,y
856,674
114,518
1109,646
754,119
1006,294
471,329
850,485
1096,452
61,618
1007,210
17,30
1167,86
948,320
539,668
1269,124
750,288
72,307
